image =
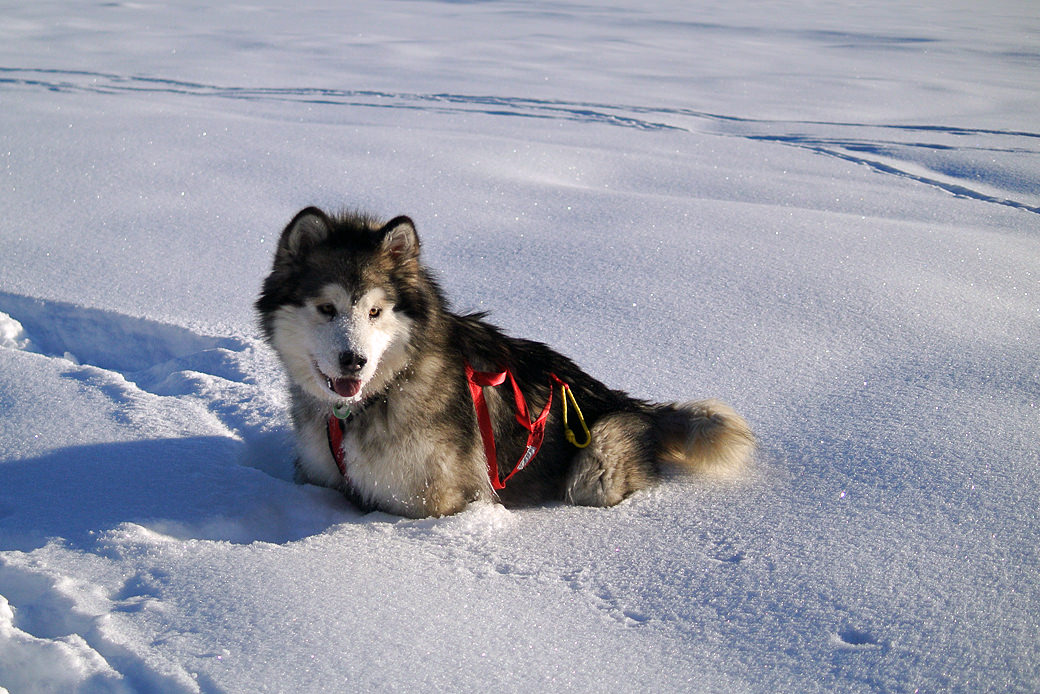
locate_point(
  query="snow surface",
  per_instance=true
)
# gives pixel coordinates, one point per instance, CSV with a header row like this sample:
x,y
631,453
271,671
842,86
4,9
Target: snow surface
x,y
824,213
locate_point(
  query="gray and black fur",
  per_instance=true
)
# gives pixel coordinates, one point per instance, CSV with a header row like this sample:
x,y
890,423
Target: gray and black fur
x,y
413,446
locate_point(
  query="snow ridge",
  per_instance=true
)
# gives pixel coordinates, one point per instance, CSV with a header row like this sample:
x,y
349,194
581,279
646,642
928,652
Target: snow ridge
x,y
992,169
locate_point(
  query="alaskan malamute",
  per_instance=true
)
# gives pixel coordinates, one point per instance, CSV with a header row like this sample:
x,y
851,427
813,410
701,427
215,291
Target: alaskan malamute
x,y
412,409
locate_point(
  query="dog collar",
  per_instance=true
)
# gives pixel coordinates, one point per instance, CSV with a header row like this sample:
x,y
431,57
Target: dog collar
x,y
346,411
336,427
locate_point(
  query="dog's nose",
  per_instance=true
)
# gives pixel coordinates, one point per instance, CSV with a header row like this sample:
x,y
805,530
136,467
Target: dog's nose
x,y
351,362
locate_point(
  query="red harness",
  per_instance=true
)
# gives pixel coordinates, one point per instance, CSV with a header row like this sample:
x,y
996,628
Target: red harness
x,y
535,429
335,432
478,380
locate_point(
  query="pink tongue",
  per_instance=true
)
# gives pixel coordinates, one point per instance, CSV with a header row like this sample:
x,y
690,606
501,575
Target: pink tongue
x,y
346,387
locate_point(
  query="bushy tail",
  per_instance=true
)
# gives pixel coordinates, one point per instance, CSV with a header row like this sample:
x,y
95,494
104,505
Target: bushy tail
x,y
706,436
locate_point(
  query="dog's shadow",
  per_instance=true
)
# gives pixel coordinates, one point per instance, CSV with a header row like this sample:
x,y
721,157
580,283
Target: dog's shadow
x,y
169,486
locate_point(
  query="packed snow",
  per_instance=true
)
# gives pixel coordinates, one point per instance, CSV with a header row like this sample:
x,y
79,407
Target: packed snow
x,y
827,214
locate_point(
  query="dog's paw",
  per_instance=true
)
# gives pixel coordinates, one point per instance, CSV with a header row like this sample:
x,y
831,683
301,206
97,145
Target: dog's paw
x,y
616,463
590,484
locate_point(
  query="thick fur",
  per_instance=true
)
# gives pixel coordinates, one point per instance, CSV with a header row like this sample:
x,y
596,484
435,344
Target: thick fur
x,y
358,320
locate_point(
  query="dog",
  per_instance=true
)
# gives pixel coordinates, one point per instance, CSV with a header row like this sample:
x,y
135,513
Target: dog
x,y
412,409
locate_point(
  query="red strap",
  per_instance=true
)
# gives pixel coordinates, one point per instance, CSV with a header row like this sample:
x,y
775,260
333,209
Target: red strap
x,y
478,380
335,431
536,429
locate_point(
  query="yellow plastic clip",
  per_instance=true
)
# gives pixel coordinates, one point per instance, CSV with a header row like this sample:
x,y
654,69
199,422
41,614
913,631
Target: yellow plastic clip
x,y
565,392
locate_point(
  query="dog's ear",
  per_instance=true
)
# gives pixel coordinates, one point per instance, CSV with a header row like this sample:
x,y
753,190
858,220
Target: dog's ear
x,y
400,240
307,229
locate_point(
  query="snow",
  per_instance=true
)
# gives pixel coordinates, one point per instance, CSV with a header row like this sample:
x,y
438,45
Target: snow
x,y
823,213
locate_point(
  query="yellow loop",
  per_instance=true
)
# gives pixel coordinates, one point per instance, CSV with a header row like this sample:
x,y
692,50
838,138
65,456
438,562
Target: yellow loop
x,y
565,391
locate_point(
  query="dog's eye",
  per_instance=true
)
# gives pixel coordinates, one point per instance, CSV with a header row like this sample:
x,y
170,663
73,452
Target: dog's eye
x,y
374,312
327,310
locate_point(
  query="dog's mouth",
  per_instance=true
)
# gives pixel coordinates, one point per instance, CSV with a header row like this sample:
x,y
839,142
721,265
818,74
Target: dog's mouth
x,y
342,387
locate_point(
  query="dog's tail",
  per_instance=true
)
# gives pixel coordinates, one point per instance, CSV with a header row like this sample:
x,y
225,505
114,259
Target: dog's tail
x,y
706,436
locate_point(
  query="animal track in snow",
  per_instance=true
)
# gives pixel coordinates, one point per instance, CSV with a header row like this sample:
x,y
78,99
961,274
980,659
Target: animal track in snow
x,y
989,171
217,374
605,600
137,348
852,638
40,609
724,551
140,590
57,623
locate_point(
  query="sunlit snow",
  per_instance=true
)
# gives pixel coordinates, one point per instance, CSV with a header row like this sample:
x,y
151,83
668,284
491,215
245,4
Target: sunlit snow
x,y
827,214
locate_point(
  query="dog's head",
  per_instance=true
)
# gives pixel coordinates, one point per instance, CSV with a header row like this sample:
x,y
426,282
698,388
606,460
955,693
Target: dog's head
x,y
341,301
